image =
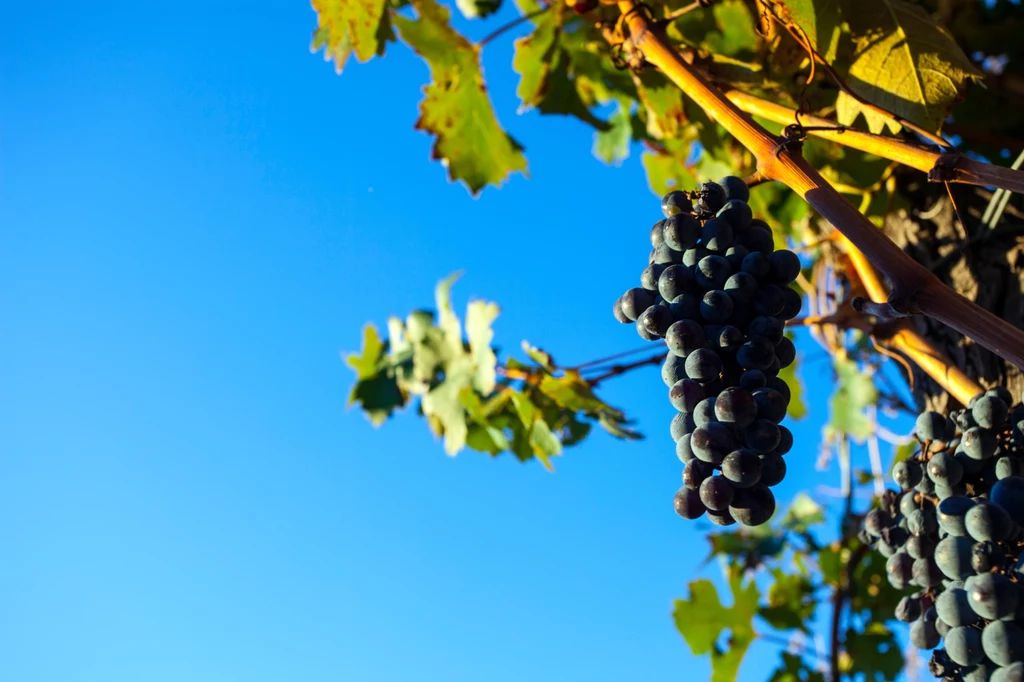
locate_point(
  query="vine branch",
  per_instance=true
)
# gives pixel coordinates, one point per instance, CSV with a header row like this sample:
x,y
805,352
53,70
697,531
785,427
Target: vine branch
x,y
511,25
915,288
964,170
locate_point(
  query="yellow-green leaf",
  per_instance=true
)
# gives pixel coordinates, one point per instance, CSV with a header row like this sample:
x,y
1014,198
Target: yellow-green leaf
x,y
479,317
457,109
855,390
347,26
904,62
701,619
819,19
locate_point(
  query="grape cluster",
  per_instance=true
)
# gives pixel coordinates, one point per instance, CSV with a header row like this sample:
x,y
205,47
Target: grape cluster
x,y
716,290
955,531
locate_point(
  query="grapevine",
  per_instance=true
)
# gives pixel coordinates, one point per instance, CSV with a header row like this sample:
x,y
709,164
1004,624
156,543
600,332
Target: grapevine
x,y
717,291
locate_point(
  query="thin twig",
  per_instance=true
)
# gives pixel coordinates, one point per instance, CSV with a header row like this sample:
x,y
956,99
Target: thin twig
x,y
675,14
618,370
510,25
616,356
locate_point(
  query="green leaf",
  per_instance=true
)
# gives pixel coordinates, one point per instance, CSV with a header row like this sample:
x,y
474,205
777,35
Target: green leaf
x,y
478,9
539,356
661,102
791,603
443,403
803,513
545,444
820,21
457,110
486,439
736,35
572,392
793,669
668,171
479,317
367,363
702,619
612,145
855,390
347,26
544,68
874,653
376,389
797,405
904,62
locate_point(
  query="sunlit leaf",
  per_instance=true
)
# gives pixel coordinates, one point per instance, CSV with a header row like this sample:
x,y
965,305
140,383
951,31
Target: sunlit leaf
x,y
702,619
819,20
457,109
905,62
479,317
612,145
347,26
854,391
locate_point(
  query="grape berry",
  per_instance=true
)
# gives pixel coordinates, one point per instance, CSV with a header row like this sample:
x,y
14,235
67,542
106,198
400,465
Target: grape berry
x,y
955,532
716,290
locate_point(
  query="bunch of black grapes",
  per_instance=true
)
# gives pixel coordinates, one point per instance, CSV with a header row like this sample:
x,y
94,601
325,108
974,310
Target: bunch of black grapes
x,y
955,533
716,290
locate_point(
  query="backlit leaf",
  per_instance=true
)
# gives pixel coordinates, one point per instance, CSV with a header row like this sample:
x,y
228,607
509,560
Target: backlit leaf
x,y
702,619
457,110
905,62
347,26
819,19
479,317
612,145
854,391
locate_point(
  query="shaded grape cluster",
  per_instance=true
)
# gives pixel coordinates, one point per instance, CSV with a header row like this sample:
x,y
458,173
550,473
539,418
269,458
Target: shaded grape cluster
x,y
955,534
717,291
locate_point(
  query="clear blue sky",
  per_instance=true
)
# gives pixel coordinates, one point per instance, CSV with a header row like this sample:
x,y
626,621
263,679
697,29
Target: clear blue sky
x,y
196,218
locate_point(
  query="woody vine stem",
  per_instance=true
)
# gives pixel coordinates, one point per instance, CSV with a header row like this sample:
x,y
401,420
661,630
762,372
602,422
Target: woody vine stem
x,y
915,289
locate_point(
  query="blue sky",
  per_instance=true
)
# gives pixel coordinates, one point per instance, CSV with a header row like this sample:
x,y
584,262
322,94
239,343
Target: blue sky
x,y
198,217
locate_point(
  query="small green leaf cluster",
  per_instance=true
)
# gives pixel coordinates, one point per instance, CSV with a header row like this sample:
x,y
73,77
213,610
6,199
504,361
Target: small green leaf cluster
x,y
468,399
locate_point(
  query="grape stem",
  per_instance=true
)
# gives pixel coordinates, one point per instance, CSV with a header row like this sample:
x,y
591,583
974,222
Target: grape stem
x,y
914,286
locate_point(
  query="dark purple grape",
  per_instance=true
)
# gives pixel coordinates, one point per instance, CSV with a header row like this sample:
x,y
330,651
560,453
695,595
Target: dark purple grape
x,y
741,287
736,406
705,412
716,235
710,198
649,277
987,521
753,506
676,202
757,353
943,468
963,644
717,493
695,472
681,231
676,280
992,595
907,473
785,440
673,369
712,442
768,327
773,469
730,339
979,443
683,450
712,272
735,189
900,570
635,301
737,214
658,234
716,306
769,300
785,352
1008,493
753,379
785,266
703,364
685,307
762,436
722,518
684,337
771,404
742,467
989,412
688,504
793,302
685,394
1003,643
683,423
953,607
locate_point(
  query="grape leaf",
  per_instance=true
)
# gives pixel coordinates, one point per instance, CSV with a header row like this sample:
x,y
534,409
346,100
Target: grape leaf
x,y
736,34
478,9
457,110
820,21
701,619
545,81
904,62
874,653
347,26
479,317
790,602
612,145
375,389
855,390
803,513
793,669
662,105
668,170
